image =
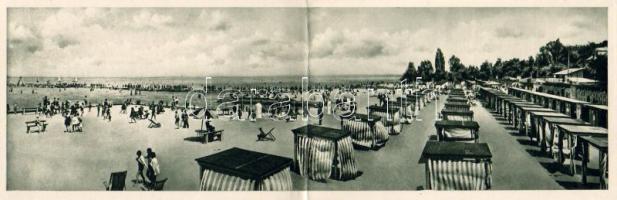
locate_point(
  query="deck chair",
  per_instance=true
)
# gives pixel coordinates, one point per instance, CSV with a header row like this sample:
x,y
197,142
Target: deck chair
x,y
158,186
265,136
154,124
116,181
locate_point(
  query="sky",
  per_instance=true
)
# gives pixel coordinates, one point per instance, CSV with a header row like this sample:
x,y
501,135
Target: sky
x,y
111,42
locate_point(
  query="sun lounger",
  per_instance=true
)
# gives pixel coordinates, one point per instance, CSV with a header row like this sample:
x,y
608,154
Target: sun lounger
x,y
116,181
159,185
154,124
265,136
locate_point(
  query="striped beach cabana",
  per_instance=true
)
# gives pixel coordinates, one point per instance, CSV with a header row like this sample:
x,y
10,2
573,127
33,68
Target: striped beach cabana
x,y
597,115
322,152
569,146
568,106
456,106
552,134
457,99
408,106
456,115
512,105
524,117
390,117
457,166
537,128
366,133
464,131
238,169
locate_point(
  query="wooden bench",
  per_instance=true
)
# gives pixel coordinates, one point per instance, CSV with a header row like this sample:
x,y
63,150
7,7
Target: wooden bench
x,y
30,110
210,136
40,125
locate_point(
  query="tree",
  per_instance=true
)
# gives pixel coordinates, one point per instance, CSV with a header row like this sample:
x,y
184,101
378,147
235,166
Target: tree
x,y
456,68
440,66
485,70
425,70
411,73
440,63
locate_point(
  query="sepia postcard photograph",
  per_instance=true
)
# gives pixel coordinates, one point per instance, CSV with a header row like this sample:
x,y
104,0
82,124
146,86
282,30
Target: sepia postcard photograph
x,y
303,97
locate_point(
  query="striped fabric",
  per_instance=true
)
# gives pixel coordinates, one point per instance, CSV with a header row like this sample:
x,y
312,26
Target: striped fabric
x,y
214,181
278,182
459,175
604,170
555,147
315,156
346,167
364,135
394,125
549,136
458,117
462,134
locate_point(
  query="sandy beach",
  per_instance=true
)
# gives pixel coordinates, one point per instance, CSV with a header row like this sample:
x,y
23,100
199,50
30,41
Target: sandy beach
x,y
56,160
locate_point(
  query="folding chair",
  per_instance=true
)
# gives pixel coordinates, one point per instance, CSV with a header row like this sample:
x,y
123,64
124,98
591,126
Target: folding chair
x,y
154,124
158,186
116,181
265,136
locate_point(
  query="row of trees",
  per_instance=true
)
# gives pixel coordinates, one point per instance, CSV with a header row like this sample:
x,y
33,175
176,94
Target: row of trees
x,y
551,58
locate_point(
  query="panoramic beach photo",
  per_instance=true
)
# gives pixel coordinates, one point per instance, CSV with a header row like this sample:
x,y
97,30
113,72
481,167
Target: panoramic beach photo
x,y
306,98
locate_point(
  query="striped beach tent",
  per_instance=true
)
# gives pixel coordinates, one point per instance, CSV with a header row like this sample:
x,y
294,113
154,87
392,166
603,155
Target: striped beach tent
x,y
457,166
321,153
238,169
366,132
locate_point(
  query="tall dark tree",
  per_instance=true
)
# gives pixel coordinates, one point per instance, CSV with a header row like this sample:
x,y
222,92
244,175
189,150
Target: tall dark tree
x,y
440,62
411,72
440,65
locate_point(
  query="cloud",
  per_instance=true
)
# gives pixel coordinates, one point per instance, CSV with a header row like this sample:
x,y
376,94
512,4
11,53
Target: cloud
x,y
215,20
148,19
508,32
346,43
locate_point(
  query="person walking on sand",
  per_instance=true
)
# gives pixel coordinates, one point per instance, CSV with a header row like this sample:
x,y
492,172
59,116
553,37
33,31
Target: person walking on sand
x,y
67,123
177,119
153,168
133,115
98,109
141,165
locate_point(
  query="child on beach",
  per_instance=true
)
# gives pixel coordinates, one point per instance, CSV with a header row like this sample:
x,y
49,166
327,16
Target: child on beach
x,y
141,164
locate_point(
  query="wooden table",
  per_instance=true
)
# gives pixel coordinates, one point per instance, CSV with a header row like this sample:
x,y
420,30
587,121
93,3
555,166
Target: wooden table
x,y
600,143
